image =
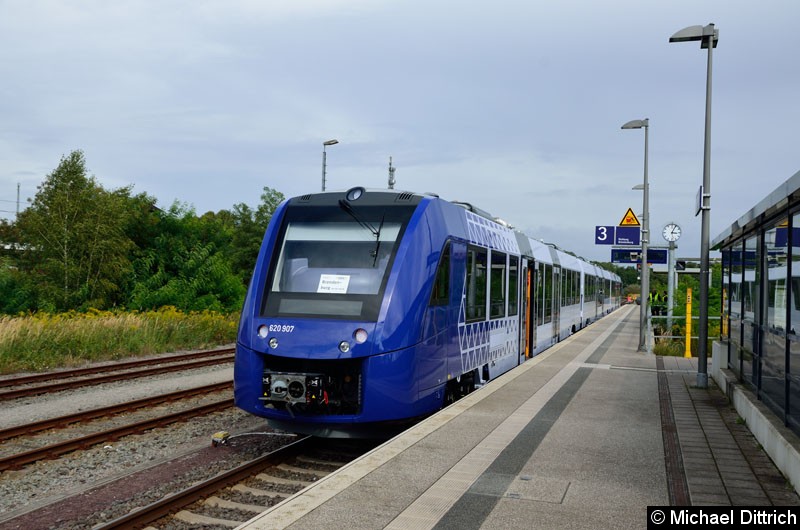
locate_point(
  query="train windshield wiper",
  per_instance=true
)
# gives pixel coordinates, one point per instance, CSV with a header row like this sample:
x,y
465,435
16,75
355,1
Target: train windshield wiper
x,y
347,207
344,205
378,241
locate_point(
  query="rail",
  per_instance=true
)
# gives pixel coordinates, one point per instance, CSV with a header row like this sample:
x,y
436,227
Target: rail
x,y
161,369
20,459
176,501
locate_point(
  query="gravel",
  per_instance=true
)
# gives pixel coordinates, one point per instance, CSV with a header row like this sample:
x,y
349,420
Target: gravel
x,y
36,408
43,483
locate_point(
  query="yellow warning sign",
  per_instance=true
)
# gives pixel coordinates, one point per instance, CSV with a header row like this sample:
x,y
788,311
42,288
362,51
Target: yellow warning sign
x,y
629,219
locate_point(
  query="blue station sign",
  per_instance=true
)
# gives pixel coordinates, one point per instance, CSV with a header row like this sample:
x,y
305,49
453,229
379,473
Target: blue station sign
x,y
604,235
617,235
624,255
628,235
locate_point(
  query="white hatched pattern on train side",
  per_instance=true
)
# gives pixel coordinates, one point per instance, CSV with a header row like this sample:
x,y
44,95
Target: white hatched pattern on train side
x,y
487,233
475,339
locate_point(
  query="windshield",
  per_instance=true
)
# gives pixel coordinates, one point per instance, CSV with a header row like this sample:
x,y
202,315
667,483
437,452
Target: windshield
x,y
335,267
337,258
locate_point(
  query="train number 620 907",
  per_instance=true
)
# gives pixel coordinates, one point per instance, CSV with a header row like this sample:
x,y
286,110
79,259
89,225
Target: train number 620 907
x,y
281,328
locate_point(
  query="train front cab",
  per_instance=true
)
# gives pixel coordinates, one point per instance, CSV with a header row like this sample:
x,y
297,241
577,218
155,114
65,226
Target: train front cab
x,y
314,327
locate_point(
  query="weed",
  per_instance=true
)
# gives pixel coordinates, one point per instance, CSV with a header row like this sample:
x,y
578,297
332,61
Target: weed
x,y
43,341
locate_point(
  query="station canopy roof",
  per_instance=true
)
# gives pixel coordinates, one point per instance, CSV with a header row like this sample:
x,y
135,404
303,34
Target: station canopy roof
x,y
782,198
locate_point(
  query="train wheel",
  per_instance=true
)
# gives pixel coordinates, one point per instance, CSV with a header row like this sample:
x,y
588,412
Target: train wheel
x,y
468,382
451,391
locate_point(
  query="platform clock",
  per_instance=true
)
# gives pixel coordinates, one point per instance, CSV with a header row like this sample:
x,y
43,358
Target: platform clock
x,y
672,232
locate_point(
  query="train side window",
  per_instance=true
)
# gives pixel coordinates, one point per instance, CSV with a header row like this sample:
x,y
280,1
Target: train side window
x,y
566,287
572,286
441,283
547,294
477,262
575,286
497,290
538,294
513,285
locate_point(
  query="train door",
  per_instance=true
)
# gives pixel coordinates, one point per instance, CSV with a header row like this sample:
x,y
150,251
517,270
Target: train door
x,y
523,310
532,288
527,327
556,301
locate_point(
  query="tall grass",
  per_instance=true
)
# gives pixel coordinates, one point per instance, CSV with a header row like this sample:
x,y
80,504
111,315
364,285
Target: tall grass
x,y
669,347
44,341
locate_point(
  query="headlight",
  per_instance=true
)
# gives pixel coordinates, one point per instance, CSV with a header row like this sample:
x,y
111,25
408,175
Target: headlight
x,y
360,335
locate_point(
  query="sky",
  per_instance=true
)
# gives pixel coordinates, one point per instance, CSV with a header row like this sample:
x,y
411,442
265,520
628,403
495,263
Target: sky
x,y
515,106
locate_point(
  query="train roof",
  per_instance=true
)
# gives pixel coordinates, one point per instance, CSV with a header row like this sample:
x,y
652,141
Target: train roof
x,y
539,250
566,260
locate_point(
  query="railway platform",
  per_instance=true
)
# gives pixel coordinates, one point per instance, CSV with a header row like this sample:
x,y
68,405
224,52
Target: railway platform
x,y
585,435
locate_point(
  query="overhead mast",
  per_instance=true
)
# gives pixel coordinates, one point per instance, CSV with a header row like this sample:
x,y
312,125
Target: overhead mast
x,y
391,174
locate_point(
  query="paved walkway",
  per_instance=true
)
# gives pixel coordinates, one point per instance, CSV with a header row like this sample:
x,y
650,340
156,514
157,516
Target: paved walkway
x,y
722,462
586,435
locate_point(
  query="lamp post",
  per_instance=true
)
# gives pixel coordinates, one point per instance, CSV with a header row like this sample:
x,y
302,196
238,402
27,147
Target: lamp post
x,y
644,343
324,145
708,37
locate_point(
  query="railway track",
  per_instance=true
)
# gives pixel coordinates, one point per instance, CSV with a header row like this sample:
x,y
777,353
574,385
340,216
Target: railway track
x,y
17,460
62,421
213,487
56,486
23,386
233,497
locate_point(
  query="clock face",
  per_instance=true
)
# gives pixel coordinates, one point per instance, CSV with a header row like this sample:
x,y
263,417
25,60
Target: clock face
x,y
672,232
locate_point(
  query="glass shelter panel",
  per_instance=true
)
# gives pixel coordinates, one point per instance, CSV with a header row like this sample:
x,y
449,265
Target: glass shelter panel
x,y
726,286
750,313
793,326
773,350
735,352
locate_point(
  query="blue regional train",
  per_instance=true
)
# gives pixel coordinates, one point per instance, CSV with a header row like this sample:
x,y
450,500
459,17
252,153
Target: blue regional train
x,y
369,309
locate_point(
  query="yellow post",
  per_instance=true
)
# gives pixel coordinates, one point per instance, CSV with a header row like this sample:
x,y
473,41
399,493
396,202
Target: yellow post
x,y
688,352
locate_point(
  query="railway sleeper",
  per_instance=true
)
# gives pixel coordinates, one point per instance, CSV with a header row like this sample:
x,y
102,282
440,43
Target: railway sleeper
x,y
233,505
317,462
205,520
278,480
302,471
258,492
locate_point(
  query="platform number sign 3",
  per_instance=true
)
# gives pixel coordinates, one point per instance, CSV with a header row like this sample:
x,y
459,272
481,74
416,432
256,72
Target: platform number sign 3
x,y
603,235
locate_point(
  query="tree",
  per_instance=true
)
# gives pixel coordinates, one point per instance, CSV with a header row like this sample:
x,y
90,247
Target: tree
x,y
79,246
76,249
249,227
184,264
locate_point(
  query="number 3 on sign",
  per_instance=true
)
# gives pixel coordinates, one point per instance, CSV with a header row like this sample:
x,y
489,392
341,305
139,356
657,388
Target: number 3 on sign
x,y
603,235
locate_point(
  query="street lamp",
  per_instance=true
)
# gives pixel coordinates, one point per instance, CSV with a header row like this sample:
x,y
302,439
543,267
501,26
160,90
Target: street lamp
x,y
643,327
324,145
708,37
